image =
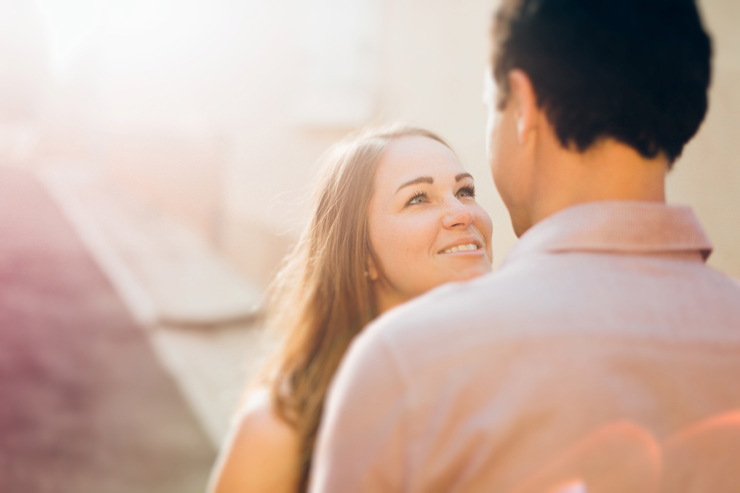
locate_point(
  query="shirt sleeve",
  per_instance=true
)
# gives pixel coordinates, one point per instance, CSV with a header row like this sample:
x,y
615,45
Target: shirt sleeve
x,y
360,446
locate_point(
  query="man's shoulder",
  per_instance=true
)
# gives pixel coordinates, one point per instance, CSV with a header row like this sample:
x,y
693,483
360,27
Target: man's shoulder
x,y
545,298
489,300
451,312
455,300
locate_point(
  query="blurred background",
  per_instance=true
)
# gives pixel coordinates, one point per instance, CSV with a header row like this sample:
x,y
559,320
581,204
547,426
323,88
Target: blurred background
x,y
155,158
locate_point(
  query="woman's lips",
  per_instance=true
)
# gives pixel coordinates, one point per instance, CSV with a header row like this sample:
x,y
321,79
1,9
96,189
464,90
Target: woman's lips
x,y
465,247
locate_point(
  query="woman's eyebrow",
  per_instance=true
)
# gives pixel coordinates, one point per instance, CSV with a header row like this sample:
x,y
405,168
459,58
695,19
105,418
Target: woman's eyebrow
x,y
421,179
430,180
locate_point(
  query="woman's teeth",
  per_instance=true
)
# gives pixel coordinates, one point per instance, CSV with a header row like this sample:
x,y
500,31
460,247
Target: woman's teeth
x,y
461,248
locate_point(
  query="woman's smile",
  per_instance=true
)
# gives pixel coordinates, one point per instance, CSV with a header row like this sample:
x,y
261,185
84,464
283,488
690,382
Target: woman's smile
x,y
465,246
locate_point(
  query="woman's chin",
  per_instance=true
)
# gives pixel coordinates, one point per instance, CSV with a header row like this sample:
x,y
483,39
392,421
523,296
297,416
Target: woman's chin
x,y
479,269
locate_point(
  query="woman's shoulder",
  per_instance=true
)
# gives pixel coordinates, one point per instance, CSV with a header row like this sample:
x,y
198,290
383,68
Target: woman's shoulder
x,y
261,453
257,420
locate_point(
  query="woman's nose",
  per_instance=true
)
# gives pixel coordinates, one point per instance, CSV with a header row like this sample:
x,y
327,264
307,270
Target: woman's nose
x,y
457,215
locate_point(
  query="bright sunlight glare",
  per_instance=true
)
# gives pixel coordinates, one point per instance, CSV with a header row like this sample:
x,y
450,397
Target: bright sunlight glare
x,y
123,33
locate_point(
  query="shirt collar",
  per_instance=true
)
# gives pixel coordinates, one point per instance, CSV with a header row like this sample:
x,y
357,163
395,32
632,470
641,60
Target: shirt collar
x,y
616,226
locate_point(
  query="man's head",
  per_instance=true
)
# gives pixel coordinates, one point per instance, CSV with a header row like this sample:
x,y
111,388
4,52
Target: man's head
x,y
632,72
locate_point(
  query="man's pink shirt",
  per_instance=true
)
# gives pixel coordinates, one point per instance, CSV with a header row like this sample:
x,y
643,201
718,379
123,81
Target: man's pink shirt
x,y
602,313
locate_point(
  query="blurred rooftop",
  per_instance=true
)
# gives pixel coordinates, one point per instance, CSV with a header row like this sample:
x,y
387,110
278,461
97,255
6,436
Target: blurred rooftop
x,y
198,311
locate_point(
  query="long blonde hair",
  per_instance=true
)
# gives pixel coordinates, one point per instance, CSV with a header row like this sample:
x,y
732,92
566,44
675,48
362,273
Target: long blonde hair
x,y
322,295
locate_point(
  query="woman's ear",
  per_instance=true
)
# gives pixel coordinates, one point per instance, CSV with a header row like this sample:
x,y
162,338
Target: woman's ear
x,y
371,271
525,104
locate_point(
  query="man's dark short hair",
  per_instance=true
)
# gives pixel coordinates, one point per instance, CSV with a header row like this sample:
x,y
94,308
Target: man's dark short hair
x,y
633,70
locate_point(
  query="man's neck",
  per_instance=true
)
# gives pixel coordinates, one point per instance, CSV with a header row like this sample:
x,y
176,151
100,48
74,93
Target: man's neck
x,y
609,170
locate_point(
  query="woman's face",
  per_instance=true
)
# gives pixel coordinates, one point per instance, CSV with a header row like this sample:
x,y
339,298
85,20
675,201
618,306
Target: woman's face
x,y
425,226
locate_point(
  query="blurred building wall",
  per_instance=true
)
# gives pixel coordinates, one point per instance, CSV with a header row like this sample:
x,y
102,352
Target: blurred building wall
x,y
432,57
216,111
707,177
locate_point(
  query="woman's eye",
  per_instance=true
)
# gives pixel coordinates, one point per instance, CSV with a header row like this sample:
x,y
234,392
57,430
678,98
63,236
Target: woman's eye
x,y
417,199
466,192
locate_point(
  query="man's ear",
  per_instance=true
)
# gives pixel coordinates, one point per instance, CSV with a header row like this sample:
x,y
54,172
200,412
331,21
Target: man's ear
x,y
524,101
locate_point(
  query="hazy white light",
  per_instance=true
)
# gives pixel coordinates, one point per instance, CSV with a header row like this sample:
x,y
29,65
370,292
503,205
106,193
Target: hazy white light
x,y
128,16
121,33
70,23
